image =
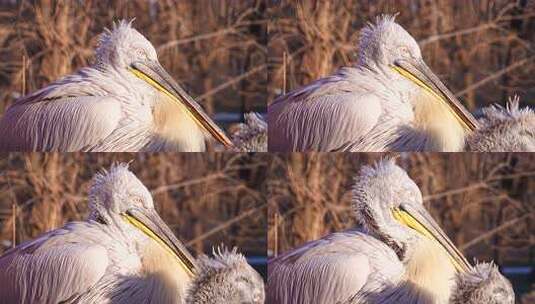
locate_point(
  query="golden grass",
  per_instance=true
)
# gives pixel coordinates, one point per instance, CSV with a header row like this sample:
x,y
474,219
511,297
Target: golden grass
x,y
215,48
483,50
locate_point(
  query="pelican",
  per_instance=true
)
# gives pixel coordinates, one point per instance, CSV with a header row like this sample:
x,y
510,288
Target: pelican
x,y
226,278
484,284
125,101
390,100
122,253
251,136
508,129
400,255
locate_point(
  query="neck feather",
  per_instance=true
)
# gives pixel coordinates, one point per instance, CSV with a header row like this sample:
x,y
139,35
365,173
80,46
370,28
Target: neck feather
x,y
175,127
165,276
430,269
443,131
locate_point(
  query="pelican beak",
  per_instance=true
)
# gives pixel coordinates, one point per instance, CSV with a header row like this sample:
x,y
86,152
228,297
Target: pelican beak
x,y
418,72
155,75
417,218
154,227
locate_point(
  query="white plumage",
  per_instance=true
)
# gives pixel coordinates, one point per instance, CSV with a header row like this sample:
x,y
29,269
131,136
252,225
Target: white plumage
x,y
484,284
390,100
122,253
125,101
226,278
399,255
509,129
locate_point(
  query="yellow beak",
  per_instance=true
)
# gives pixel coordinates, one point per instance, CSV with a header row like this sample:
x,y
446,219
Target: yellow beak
x,y
418,72
155,75
154,227
417,218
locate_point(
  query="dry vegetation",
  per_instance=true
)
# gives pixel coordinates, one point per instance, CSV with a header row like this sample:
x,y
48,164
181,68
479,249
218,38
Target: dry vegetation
x,y
484,50
215,48
484,202
207,198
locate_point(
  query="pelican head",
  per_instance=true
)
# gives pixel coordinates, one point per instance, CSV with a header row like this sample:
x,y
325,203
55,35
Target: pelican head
x,y
119,198
387,46
483,284
226,278
389,206
386,42
124,48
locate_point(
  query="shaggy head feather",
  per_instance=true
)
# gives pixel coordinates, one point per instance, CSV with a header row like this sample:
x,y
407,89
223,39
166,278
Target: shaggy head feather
x,y
114,191
226,278
386,41
509,129
484,284
377,190
123,45
251,136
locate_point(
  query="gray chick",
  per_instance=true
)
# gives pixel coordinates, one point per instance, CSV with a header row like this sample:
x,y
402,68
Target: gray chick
x,y
509,129
482,284
251,136
226,278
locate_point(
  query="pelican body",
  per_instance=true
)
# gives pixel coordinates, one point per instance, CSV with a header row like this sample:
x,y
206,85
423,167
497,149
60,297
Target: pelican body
x,y
122,253
389,101
400,255
125,101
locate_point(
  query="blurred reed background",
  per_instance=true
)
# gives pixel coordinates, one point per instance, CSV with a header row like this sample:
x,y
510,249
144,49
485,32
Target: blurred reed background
x,y
216,49
208,199
485,202
484,50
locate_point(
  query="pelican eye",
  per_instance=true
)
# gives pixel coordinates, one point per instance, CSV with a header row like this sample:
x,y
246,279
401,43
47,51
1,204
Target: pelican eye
x,y
140,53
101,220
404,51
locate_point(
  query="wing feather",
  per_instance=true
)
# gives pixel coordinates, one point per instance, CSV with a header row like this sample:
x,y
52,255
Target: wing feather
x,y
51,269
332,121
63,124
330,270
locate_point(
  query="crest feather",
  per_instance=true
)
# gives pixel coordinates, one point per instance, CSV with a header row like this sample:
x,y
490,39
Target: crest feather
x,y
107,38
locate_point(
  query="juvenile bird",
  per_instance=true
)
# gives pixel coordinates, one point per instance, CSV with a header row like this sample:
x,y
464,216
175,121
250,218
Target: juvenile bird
x,y
484,284
251,136
509,129
224,279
